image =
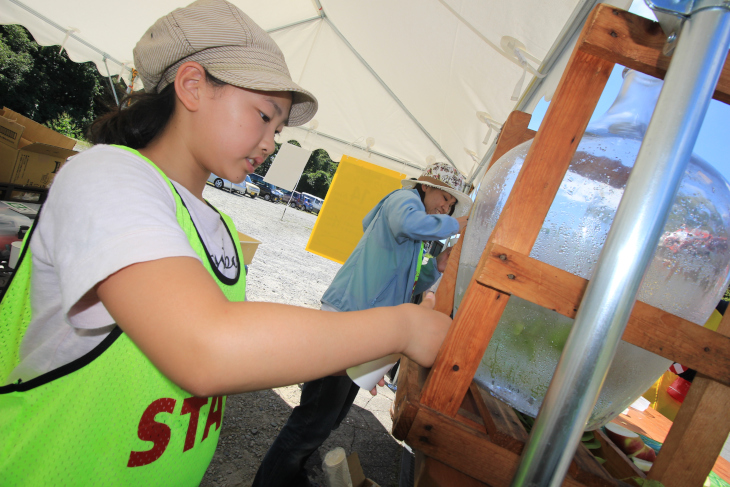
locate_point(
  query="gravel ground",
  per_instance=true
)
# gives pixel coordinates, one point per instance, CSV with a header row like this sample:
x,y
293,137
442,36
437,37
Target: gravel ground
x,y
283,272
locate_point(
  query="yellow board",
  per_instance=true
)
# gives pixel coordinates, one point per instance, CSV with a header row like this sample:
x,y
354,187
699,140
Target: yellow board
x,y
355,190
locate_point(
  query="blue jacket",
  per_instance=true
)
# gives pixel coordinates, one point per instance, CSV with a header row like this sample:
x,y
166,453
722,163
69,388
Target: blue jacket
x,y
382,268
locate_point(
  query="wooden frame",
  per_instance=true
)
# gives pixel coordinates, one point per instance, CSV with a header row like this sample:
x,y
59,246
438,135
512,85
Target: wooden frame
x,y
458,429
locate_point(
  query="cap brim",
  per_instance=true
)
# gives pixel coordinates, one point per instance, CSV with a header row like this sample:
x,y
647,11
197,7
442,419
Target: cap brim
x,y
304,104
463,202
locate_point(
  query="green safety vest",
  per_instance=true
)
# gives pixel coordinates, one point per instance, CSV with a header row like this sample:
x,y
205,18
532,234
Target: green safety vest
x,y
110,417
418,268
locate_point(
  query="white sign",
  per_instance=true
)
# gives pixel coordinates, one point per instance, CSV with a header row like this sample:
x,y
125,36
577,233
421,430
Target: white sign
x,y
287,167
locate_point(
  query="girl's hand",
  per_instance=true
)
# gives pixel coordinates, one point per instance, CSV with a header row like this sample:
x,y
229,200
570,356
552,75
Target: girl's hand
x,y
442,259
462,223
427,329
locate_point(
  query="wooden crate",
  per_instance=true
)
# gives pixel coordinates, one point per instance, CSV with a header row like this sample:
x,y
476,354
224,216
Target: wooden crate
x,y
464,436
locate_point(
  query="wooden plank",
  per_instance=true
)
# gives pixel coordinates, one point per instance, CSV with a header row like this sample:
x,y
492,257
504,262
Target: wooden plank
x,y
506,430
407,395
465,344
446,440
585,469
471,420
698,434
470,404
445,291
656,426
650,423
502,424
672,337
650,328
518,274
406,404
635,42
722,469
514,132
432,473
617,463
518,227
551,152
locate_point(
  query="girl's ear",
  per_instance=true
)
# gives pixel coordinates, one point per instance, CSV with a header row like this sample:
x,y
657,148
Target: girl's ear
x,y
190,83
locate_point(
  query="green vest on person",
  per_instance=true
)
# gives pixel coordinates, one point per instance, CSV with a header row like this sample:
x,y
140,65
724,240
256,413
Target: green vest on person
x,y
110,417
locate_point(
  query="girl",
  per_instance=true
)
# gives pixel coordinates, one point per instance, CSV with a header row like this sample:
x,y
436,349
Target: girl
x,y
385,269
122,329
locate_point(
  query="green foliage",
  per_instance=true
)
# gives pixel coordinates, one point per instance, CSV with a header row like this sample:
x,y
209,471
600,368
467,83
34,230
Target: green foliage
x,y
647,482
15,59
316,183
48,87
67,126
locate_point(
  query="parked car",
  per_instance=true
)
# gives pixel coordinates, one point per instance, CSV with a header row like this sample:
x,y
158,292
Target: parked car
x,y
247,187
269,192
251,189
316,202
299,201
256,178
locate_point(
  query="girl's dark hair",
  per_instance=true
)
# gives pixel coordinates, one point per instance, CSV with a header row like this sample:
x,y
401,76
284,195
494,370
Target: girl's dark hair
x,y
422,194
139,118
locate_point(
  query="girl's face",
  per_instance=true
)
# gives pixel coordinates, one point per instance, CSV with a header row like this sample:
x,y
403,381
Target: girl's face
x,y
436,201
236,129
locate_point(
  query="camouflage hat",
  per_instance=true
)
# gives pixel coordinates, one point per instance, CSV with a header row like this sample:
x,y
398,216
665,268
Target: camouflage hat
x,y
447,178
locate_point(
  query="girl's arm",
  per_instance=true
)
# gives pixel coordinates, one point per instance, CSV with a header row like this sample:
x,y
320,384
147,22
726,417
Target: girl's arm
x,y
178,316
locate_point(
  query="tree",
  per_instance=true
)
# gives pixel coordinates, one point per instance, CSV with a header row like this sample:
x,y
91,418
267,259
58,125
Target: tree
x,y
48,87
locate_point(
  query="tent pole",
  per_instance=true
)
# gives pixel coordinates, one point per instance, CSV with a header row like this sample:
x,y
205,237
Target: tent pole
x,y
565,38
380,154
71,35
111,83
574,24
293,24
386,87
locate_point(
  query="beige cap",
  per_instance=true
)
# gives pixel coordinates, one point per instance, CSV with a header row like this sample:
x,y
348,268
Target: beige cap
x,y
228,44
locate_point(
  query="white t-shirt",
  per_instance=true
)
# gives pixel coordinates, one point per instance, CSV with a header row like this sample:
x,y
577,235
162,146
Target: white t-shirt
x,y
107,209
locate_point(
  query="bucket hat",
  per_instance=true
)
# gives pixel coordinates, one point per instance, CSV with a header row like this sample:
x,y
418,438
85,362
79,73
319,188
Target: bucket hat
x,y
445,177
228,44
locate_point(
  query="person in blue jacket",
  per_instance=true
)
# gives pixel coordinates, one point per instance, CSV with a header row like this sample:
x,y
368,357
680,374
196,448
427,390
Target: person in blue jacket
x,y
386,268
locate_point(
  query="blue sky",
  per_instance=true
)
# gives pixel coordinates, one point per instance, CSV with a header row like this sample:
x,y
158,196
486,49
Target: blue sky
x,y
713,142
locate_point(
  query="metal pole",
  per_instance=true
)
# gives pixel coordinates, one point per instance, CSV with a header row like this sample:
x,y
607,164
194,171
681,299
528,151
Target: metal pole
x,y
291,195
630,245
71,34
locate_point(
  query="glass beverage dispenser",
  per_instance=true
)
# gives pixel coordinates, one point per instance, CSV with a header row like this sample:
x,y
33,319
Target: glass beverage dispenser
x,y
687,277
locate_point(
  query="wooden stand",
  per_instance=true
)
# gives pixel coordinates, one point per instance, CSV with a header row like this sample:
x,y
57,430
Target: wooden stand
x,y
462,435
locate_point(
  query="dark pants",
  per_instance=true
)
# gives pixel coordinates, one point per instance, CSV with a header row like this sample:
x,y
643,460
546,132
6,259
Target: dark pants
x,y
323,406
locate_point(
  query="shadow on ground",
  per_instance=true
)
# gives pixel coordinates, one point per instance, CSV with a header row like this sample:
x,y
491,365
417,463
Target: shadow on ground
x,y
253,420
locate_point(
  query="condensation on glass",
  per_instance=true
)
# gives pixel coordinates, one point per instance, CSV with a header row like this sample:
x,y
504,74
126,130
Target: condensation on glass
x,y
687,277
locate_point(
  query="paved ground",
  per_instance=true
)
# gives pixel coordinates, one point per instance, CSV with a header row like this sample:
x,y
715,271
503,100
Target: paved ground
x,y
253,420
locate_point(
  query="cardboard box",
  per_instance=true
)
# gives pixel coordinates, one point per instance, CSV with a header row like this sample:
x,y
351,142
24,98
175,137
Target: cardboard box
x,y
248,247
356,474
30,154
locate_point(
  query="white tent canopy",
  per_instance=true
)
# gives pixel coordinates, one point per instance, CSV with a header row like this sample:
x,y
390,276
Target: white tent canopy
x,y
399,84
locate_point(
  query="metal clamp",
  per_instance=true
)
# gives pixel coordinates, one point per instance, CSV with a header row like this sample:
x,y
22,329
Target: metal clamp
x,y
671,14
